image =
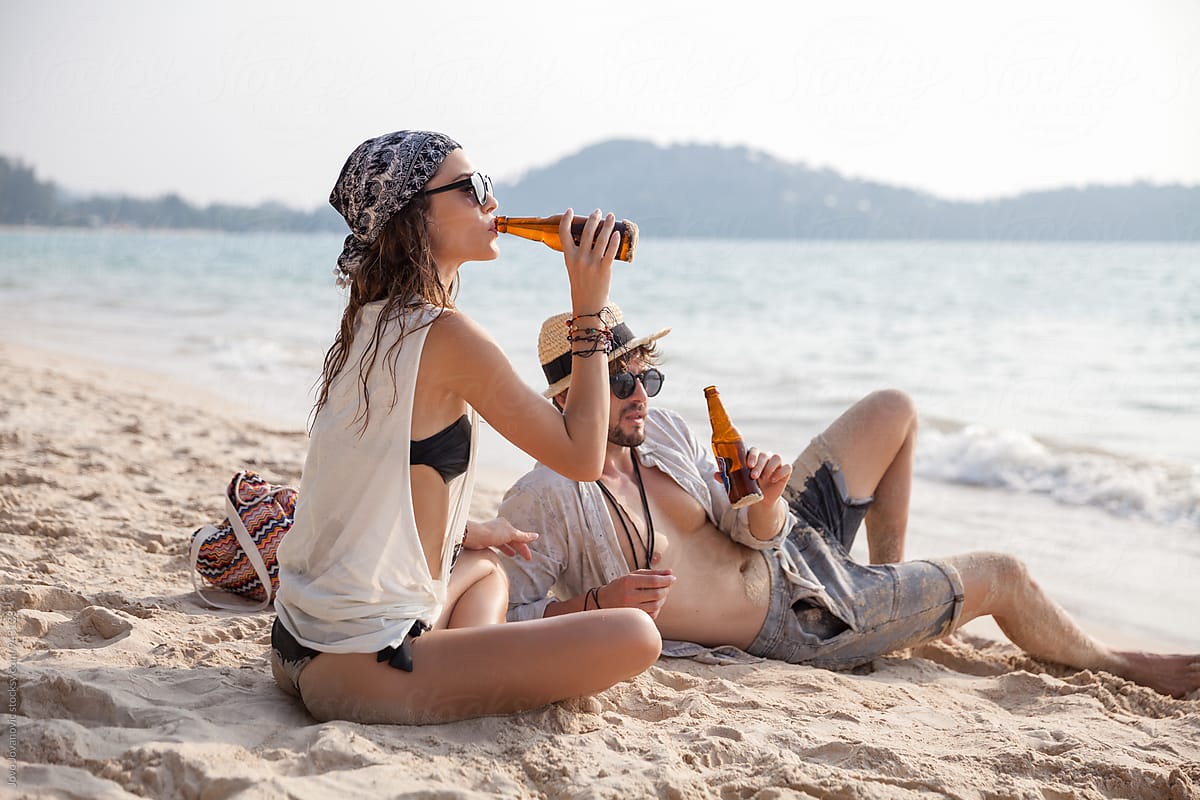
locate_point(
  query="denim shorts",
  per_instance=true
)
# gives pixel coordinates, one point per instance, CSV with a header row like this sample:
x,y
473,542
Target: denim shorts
x,y
864,610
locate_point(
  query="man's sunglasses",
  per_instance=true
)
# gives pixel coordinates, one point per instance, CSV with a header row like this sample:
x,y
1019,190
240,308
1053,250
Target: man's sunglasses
x,y
623,383
480,183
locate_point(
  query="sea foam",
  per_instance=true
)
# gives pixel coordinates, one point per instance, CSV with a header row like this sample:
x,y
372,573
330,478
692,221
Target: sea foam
x,y
1160,491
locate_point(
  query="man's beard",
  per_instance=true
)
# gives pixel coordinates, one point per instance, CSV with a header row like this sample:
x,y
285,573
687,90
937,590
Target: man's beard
x,y
621,438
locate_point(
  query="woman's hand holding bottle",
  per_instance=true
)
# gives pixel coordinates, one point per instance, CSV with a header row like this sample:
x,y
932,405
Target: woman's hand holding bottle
x,y
589,264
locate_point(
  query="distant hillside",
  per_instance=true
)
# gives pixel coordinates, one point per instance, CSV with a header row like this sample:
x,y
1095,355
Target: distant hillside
x,y
25,200
707,190
692,190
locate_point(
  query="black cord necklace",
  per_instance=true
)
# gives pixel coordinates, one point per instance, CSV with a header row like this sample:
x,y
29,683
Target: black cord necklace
x,y
622,514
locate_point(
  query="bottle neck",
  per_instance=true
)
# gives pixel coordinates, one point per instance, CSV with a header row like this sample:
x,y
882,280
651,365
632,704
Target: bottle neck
x,y
721,425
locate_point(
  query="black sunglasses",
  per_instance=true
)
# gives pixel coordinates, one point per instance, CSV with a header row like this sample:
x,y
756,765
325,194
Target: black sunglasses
x,y
480,183
623,383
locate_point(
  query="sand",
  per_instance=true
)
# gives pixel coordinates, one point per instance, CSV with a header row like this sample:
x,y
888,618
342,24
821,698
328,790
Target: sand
x,y
121,684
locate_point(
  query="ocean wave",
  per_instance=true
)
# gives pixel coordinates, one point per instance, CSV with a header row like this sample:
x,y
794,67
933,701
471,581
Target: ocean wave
x,y
1160,491
250,355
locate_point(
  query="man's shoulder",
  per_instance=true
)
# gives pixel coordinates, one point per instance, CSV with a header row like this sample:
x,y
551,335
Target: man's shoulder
x,y
541,498
541,479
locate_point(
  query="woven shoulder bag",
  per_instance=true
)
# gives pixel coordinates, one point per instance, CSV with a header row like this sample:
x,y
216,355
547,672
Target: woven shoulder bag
x,y
238,554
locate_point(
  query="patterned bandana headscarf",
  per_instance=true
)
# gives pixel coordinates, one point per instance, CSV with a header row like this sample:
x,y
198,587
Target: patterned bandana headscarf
x,y
379,178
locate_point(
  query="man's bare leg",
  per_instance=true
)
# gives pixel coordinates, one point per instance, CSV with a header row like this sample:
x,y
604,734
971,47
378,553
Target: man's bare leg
x,y
999,584
874,443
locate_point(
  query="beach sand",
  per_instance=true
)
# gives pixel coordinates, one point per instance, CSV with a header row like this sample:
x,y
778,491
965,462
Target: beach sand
x,y
120,683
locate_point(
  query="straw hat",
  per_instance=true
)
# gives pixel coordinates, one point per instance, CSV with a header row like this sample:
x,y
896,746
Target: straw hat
x,y
554,351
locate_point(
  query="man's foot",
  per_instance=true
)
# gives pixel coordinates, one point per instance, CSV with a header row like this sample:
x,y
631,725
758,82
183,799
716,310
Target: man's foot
x,y
1174,675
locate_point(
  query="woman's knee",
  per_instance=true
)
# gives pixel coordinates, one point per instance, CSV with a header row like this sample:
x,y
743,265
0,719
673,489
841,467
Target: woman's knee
x,y
623,637
639,637
478,565
485,558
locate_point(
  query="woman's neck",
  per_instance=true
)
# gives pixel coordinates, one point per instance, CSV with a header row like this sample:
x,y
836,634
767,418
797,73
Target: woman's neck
x,y
447,274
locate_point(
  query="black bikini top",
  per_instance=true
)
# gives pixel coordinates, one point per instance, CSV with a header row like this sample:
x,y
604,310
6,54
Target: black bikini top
x,y
448,451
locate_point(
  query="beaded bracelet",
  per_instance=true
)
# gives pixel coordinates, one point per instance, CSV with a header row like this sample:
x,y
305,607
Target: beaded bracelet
x,y
601,342
604,311
602,316
600,339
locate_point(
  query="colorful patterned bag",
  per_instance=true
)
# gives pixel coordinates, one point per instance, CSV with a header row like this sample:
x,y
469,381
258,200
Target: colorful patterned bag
x,y
238,553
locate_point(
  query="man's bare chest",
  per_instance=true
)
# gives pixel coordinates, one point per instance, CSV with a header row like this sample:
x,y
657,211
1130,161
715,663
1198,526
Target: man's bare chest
x,y
668,514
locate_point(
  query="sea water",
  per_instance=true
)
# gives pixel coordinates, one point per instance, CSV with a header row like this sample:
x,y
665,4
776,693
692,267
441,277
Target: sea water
x,y
1058,384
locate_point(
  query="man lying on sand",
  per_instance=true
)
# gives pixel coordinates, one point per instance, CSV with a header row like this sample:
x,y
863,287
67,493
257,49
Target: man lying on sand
x,y
774,578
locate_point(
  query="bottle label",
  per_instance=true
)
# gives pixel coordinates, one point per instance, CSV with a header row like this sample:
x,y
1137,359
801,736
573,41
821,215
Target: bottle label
x,y
725,464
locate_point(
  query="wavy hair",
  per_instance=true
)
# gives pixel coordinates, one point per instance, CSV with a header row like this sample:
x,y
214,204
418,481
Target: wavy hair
x,y
400,270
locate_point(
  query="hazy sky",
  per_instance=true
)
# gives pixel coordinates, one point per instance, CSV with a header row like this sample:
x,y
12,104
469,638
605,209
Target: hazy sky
x,y
247,101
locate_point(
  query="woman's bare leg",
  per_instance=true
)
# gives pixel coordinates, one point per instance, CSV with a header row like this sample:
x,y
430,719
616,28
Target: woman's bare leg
x,y
1000,585
469,665
477,593
492,669
874,442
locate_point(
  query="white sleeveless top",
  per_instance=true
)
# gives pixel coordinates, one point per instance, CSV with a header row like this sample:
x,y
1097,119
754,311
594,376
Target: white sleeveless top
x,y
352,574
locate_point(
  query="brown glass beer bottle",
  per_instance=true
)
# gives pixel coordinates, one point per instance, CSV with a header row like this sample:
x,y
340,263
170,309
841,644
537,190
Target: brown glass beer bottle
x,y
730,452
545,229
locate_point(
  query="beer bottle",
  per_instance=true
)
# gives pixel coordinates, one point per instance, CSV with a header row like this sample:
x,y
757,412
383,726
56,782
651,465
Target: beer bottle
x,y
730,452
545,229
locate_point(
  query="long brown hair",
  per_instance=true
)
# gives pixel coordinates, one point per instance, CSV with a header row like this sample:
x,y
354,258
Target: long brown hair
x,y
398,269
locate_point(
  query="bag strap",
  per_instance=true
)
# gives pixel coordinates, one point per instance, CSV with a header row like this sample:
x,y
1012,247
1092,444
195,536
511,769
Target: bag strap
x,y
247,543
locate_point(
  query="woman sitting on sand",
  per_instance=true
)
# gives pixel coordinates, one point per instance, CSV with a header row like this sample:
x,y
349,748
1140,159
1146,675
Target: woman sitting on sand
x,y
379,618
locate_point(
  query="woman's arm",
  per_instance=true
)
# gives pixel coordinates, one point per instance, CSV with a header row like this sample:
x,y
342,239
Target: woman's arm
x,y
467,362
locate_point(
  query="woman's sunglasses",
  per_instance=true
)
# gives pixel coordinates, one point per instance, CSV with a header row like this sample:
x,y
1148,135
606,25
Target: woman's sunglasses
x,y
480,183
623,383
